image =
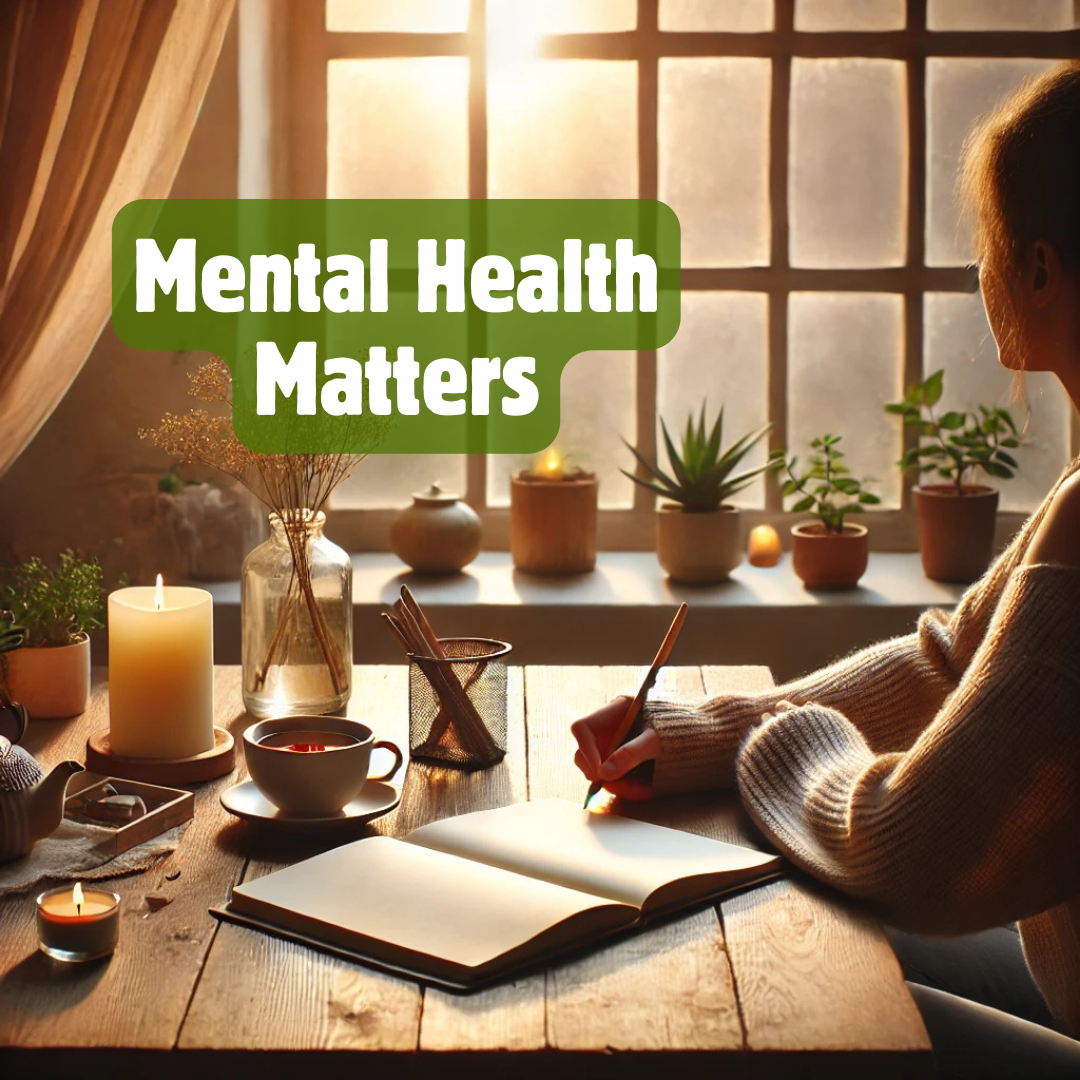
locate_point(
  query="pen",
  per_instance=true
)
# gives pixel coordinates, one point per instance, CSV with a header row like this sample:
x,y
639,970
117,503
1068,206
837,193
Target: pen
x,y
633,711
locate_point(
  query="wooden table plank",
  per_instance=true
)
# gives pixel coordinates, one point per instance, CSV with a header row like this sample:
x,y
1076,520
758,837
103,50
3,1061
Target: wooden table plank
x,y
813,972
669,988
127,1001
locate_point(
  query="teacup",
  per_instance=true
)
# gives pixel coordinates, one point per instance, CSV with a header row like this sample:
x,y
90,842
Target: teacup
x,y
313,782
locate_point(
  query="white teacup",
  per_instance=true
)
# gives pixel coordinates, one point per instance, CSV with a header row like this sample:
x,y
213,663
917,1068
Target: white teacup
x,y
312,766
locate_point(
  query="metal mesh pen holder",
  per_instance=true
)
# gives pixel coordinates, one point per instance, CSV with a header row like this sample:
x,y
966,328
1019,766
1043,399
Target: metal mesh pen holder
x,y
457,706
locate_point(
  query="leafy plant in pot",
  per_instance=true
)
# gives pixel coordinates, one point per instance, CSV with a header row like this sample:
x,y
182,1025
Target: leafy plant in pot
x,y
829,553
55,607
956,518
698,538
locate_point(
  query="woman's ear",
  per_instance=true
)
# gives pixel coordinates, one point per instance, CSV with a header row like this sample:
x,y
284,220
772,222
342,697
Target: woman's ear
x,y
1046,274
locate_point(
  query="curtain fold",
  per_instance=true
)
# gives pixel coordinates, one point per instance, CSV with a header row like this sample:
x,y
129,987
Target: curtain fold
x,y
97,102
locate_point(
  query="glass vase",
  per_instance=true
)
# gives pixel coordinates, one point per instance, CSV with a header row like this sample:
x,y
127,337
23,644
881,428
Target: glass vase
x,y
296,620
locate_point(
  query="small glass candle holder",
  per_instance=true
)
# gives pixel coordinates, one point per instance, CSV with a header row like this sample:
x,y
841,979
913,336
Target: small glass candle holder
x,y
75,925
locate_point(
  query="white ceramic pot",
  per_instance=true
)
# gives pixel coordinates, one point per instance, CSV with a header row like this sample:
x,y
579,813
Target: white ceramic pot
x,y
698,547
51,681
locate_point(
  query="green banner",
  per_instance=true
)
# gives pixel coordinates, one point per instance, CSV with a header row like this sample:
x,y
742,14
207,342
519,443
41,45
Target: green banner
x,y
396,325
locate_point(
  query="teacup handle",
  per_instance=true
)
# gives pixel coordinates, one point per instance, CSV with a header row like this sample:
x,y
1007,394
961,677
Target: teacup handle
x,y
399,758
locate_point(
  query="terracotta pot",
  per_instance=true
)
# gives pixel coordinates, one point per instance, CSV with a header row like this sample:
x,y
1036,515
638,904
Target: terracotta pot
x,y
51,681
698,547
956,532
825,560
438,534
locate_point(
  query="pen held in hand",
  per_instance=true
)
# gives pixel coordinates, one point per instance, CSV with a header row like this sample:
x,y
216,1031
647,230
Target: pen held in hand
x,y
633,711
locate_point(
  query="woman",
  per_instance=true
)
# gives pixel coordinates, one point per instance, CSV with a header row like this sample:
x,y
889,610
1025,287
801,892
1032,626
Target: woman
x,y
937,776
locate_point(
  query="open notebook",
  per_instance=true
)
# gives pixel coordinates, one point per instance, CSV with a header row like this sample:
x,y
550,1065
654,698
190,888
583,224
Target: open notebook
x,y
469,900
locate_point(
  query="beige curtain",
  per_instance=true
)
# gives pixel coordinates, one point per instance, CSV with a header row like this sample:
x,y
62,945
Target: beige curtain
x,y
97,102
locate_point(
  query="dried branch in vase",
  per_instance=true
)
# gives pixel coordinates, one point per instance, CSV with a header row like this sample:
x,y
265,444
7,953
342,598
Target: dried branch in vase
x,y
295,487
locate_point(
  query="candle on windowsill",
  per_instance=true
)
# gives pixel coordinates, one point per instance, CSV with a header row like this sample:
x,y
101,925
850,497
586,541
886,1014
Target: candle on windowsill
x,y
161,672
553,517
764,546
75,925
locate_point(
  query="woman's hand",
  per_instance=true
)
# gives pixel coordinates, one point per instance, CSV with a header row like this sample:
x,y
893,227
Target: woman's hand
x,y
594,734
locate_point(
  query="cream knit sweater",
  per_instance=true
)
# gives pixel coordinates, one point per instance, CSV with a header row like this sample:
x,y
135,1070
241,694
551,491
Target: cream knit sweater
x,y
936,776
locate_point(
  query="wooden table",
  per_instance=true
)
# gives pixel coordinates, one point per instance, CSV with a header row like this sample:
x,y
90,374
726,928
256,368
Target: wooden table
x,y
783,980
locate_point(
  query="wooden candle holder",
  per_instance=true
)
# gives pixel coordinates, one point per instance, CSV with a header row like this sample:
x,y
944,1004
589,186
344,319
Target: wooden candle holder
x,y
553,523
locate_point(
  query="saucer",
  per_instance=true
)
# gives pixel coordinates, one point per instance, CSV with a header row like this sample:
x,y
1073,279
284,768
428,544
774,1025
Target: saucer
x,y
248,802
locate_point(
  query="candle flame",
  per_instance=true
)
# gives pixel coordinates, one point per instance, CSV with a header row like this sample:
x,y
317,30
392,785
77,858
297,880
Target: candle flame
x,y
159,594
77,897
549,465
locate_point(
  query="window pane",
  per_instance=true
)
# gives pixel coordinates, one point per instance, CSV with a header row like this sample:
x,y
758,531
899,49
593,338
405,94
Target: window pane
x,y
598,411
714,157
848,163
397,128
733,16
401,16
719,357
1000,15
957,93
958,339
563,129
518,20
845,362
818,15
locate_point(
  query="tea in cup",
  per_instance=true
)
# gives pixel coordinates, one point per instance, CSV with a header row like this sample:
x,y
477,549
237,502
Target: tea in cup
x,y
312,766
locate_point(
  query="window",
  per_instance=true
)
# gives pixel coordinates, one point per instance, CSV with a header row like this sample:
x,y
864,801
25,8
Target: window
x,y
809,148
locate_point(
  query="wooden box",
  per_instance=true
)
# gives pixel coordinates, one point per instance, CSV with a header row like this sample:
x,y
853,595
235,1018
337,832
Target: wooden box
x,y
165,809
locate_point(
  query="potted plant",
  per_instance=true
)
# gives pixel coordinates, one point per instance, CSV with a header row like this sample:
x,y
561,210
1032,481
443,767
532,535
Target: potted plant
x,y
698,537
56,606
829,553
956,518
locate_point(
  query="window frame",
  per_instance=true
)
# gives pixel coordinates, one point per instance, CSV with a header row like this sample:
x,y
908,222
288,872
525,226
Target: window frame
x,y
299,136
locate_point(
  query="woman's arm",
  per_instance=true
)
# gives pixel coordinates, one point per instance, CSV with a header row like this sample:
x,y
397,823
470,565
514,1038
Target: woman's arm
x,y
976,824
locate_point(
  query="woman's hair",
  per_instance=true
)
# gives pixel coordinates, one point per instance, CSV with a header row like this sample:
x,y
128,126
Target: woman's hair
x,y
1020,183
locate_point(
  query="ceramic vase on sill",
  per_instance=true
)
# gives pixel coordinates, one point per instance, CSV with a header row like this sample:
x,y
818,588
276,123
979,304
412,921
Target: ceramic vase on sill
x,y
296,620
956,530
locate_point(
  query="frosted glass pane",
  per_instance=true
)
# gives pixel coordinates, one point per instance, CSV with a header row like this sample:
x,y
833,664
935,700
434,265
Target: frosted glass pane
x,y
845,362
957,93
388,480
514,22
816,15
720,357
1000,15
847,189
563,129
732,16
397,128
958,339
714,157
598,410
400,16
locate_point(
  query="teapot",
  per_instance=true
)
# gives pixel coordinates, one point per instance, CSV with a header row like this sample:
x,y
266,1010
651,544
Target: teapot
x,y
31,803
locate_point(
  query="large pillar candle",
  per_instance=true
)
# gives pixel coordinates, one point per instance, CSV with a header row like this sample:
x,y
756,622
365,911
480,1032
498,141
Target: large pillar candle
x,y
161,672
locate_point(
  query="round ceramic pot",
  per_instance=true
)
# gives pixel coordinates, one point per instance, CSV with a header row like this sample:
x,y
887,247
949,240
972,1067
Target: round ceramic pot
x,y
956,532
438,534
698,547
51,681
825,560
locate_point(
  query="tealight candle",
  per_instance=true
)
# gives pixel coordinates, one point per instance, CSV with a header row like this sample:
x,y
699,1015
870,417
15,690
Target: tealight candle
x,y
75,925
161,672
764,547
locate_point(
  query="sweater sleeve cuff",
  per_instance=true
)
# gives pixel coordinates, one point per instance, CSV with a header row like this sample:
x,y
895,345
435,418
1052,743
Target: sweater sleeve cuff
x,y
698,744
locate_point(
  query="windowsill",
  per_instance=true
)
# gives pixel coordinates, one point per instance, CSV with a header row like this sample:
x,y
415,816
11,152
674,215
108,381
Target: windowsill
x,y
762,616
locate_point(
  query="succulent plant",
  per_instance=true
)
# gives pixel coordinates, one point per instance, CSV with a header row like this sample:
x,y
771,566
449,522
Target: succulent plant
x,y
961,442
828,489
701,475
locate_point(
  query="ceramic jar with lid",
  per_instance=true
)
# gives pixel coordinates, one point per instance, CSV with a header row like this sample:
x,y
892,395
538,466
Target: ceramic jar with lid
x,y
438,534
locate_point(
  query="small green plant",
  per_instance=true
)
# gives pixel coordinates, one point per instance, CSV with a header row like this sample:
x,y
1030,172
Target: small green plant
x,y
701,475
828,489
963,442
54,605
